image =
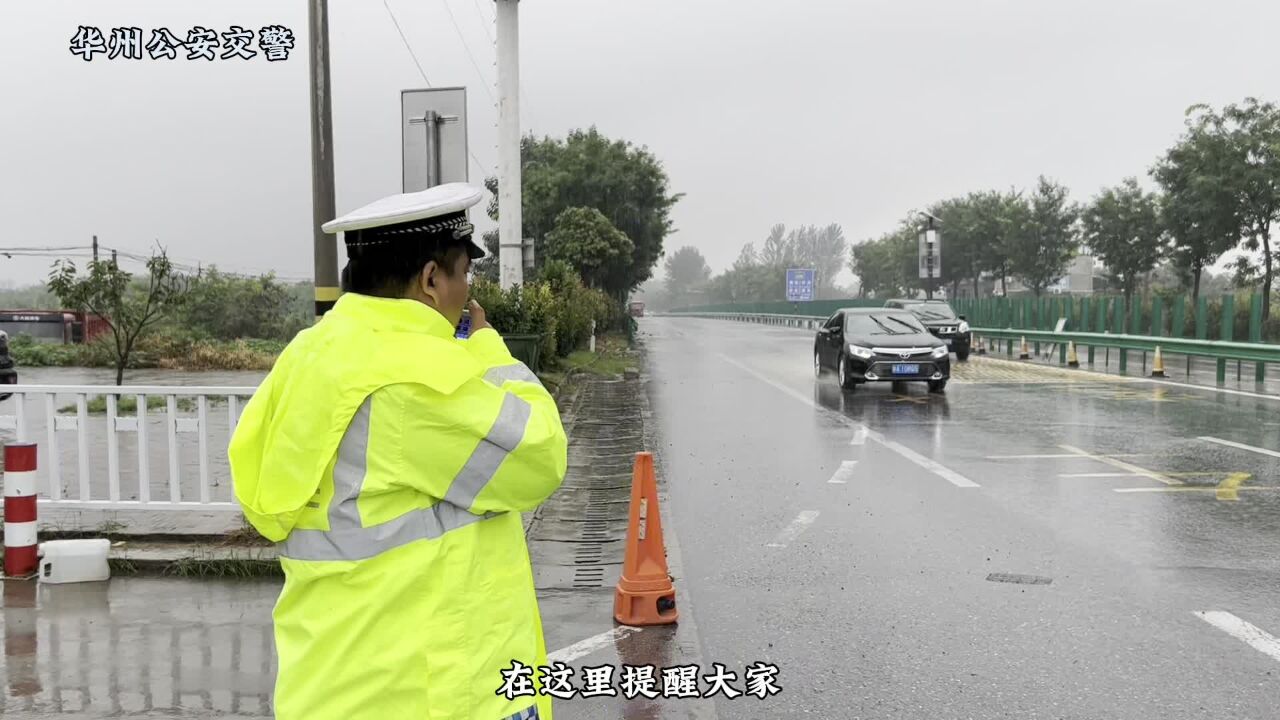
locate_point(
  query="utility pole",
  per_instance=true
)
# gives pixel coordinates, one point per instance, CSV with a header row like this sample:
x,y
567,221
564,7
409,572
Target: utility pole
x,y
322,202
95,248
929,283
510,250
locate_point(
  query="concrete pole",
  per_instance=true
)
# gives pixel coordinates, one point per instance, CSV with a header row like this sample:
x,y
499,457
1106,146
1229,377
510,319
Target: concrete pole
x,y
325,250
510,250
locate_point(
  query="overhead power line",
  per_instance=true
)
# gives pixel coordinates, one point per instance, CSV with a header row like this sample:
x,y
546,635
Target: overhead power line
x,y
405,40
479,165
467,46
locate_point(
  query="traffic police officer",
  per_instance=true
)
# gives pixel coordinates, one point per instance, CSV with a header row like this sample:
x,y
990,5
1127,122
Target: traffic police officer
x,y
390,461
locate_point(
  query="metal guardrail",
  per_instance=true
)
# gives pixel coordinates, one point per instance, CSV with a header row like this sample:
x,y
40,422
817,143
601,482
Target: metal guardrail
x,y
31,420
796,321
1220,350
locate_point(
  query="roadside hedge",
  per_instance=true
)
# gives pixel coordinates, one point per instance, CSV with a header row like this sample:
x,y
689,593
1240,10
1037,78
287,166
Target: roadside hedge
x,y
556,305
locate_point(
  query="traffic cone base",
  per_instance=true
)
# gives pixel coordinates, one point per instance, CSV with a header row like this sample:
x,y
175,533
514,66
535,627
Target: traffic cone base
x,y
644,594
1026,352
1157,366
1072,359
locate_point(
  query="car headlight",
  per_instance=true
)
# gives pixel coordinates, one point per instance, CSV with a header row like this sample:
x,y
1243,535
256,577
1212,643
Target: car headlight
x,y
940,352
864,353
964,326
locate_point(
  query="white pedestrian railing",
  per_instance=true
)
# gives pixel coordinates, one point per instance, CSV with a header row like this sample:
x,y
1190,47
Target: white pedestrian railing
x,y
113,459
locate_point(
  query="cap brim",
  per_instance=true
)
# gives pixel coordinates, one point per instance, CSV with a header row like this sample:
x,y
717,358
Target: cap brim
x,y
474,251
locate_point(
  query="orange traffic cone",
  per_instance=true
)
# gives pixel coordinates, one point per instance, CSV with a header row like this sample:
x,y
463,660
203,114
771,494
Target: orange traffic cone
x,y
1072,359
644,594
1026,351
1157,369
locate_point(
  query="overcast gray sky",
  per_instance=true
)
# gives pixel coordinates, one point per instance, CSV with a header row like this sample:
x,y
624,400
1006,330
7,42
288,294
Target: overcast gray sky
x,y
843,111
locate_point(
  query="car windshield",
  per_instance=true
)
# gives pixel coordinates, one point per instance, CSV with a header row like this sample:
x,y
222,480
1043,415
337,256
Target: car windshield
x,y
937,311
887,323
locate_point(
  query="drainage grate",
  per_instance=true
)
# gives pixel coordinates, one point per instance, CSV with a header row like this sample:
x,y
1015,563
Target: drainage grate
x,y
1019,579
587,577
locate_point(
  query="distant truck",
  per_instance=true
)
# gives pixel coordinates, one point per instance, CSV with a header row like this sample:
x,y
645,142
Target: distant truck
x,y
8,373
53,326
637,309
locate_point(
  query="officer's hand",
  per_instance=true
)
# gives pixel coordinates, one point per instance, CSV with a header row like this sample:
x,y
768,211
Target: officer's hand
x,y
478,321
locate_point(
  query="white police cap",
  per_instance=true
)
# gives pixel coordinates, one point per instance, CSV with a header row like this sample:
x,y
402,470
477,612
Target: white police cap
x,y
440,211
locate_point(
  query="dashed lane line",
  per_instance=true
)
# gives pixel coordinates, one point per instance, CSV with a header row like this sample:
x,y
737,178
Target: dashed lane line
x,y
1246,632
845,472
792,531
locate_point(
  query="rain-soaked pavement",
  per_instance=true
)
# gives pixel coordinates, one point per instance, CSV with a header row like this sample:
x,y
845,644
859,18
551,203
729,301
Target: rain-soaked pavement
x,y
864,542
139,647
1034,543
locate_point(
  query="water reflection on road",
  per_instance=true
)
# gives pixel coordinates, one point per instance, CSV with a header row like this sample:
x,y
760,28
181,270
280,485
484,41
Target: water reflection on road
x,y
182,648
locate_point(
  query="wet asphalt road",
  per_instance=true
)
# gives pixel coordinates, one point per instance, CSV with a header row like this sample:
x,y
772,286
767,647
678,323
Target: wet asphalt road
x,y
872,595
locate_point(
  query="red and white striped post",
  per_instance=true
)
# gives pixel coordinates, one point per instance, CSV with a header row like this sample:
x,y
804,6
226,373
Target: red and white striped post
x,y
20,542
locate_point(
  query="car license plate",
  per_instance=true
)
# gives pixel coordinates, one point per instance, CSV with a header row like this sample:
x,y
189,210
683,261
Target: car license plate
x,y
906,369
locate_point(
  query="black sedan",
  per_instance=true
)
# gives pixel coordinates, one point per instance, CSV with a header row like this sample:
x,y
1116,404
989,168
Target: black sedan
x,y
942,321
880,345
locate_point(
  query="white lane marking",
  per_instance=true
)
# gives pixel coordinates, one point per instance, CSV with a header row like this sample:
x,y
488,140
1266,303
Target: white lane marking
x,y
1240,446
797,526
1212,489
844,473
1228,391
1098,475
1250,634
859,435
1124,466
937,468
769,381
946,473
1106,377
1057,456
591,644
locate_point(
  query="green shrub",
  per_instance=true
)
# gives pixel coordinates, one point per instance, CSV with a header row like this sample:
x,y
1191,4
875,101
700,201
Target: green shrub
x,y
555,305
25,351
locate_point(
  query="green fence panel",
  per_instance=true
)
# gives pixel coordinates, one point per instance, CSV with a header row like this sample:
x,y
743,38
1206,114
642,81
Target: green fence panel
x,y
1085,323
1117,322
1255,318
1157,317
1202,319
1178,326
1255,333
1135,321
1226,320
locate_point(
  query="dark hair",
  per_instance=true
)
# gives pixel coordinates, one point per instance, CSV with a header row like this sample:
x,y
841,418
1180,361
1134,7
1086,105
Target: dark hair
x,y
388,269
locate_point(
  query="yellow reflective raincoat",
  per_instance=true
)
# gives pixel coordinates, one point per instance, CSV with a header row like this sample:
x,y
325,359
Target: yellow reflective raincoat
x,y
391,462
